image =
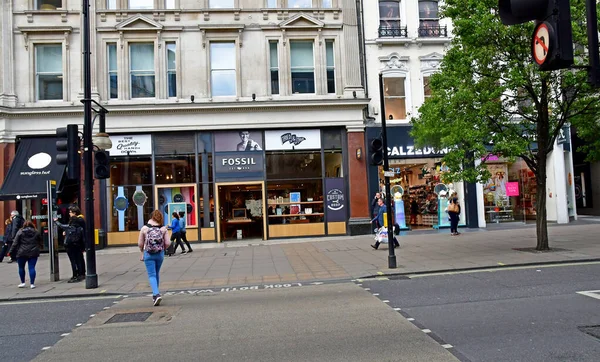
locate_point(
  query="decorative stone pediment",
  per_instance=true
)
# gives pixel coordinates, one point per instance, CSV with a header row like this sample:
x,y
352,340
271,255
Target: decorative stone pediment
x,y
139,22
301,21
394,62
431,62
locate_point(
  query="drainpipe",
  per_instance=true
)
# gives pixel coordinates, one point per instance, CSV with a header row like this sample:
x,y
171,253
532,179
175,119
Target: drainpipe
x,y
361,45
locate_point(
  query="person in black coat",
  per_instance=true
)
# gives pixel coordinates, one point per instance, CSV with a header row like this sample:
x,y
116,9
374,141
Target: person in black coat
x,y
75,242
16,224
26,248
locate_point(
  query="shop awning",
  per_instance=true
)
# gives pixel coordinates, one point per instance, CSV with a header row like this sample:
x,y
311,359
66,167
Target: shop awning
x,y
34,164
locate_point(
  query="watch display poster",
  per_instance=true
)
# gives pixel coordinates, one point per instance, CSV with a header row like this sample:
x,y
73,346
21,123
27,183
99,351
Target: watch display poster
x,y
178,195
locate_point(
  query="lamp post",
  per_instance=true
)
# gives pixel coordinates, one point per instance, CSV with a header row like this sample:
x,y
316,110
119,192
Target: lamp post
x,y
386,165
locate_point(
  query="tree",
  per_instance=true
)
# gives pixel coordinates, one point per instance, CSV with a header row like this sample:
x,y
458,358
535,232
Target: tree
x,y
491,98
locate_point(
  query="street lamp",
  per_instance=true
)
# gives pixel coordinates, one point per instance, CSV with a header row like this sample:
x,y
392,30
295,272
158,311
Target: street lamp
x,y
388,196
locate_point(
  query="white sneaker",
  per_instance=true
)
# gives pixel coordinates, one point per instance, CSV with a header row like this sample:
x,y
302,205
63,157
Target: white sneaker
x,y
32,286
22,285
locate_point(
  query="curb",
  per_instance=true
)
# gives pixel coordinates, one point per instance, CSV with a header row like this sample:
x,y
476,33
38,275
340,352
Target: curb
x,y
62,296
423,272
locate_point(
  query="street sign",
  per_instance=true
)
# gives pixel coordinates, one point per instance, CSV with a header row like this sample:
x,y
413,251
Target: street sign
x,y
542,42
389,173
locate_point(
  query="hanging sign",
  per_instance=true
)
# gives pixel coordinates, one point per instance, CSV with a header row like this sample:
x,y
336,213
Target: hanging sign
x,y
294,139
131,145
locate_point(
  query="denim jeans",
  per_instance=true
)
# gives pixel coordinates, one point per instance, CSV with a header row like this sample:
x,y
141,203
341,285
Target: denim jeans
x,y
31,264
153,263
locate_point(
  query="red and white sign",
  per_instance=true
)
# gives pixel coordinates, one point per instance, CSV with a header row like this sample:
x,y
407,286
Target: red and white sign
x,y
542,43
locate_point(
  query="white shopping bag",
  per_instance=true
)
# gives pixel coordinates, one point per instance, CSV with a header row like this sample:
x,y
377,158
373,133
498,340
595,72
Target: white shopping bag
x,y
382,235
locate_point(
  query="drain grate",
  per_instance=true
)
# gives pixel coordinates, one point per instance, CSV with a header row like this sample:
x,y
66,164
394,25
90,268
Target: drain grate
x,y
593,331
129,317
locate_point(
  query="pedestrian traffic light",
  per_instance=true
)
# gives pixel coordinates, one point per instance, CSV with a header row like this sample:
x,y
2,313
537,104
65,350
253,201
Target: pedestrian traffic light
x,y
376,147
101,164
67,146
552,40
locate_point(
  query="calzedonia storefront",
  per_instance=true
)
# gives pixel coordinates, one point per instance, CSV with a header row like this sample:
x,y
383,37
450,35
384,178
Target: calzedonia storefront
x,y
229,185
419,195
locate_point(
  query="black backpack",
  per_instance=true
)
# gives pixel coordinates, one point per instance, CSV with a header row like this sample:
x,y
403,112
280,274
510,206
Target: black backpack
x,y
74,235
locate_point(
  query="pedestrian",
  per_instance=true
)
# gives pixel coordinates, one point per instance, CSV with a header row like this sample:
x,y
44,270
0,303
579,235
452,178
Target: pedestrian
x,y
414,211
375,210
16,223
153,241
74,244
380,221
26,248
175,233
7,232
182,231
454,214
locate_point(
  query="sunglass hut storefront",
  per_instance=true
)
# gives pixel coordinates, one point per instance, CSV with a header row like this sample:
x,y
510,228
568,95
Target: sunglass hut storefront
x,y
231,185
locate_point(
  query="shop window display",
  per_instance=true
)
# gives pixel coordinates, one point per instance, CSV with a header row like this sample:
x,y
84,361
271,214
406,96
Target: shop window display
x,y
293,165
175,169
295,201
510,193
178,198
129,207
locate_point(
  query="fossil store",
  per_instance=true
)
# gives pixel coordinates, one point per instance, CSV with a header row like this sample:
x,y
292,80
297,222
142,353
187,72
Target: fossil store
x,y
229,185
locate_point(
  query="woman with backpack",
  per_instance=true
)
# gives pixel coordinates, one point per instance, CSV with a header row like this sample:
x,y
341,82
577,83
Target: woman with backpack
x,y
74,233
153,241
26,248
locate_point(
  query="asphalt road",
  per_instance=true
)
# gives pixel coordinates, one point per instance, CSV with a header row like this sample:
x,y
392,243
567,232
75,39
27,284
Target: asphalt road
x,y
29,326
511,314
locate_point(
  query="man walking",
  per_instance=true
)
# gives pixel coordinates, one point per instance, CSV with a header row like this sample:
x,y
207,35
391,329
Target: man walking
x,y
375,210
15,225
182,231
380,221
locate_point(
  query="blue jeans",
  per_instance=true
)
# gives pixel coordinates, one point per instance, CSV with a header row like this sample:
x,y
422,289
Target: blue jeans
x,y
153,263
31,264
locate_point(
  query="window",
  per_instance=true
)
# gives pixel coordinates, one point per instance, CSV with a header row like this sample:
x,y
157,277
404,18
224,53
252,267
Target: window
x,y
113,84
389,14
426,87
395,98
272,4
429,18
221,4
274,67
49,71
171,70
142,70
169,4
327,4
294,165
111,4
330,66
302,66
299,3
48,4
141,4
222,69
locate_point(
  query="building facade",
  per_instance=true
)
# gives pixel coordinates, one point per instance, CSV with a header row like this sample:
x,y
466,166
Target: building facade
x,y
405,42
244,116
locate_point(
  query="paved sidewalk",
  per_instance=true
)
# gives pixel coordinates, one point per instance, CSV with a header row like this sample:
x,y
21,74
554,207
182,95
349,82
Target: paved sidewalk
x,y
239,263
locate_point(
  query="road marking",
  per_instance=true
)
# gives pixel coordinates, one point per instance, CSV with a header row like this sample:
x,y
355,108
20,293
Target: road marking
x,y
59,300
46,348
367,288
501,264
410,319
447,346
384,278
379,273
376,294
316,283
385,301
92,315
591,293
78,324
65,334
426,330
397,309
105,308
492,269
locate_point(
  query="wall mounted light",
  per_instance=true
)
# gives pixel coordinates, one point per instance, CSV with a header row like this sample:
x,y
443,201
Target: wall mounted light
x,y
192,98
358,153
253,96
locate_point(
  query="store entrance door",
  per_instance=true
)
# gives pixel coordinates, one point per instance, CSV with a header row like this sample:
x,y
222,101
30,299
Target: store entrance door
x,y
240,211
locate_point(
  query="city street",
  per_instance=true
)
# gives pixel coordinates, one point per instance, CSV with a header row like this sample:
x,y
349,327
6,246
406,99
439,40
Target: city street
x,y
515,314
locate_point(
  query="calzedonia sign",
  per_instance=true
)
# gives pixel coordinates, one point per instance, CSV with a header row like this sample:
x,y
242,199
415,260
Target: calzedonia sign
x,y
239,164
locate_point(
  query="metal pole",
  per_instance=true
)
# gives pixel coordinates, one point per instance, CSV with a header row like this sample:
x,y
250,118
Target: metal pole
x,y
386,166
592,33
91,279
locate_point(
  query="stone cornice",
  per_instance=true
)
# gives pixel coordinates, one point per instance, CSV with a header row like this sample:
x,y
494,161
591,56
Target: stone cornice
x,y
186,108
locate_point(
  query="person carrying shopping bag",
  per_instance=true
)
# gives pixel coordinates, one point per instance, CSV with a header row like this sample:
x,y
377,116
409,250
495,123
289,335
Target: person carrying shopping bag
x,y
26,248
382,233
153,241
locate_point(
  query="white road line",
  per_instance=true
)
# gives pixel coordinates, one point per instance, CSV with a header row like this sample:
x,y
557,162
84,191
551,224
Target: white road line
x,y
410,319
447,346
488,270
385,301
591,293
46,348
426,330
376,294
92,315
78,324
65,334
397,309
367,288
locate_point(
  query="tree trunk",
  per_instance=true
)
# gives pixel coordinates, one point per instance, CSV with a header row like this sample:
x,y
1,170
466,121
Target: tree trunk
x,y
541,220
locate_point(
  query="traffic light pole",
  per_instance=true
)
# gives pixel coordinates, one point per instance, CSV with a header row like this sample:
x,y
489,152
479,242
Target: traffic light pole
x,y
91,278
592,33
386,165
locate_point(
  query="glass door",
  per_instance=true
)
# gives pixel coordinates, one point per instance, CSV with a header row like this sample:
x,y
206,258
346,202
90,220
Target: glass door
x,y
241,211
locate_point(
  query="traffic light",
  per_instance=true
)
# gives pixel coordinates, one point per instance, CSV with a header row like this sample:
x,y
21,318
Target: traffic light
x,y
376,148
552,39
101,164
68,150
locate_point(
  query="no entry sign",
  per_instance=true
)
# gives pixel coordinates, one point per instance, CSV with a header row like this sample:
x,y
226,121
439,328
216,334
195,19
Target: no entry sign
x,y
543,37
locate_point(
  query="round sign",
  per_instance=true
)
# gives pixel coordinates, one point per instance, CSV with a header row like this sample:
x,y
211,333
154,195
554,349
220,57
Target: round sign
x,y
541,42
178,198
39,161
121,203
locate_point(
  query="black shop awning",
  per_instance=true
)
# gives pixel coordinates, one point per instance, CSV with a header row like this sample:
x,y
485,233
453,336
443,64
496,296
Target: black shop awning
x,y
34,164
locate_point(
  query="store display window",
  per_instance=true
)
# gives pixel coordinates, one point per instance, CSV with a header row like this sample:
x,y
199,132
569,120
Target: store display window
x,y
175,169
129,207
510,193
180,199
294,165
295,201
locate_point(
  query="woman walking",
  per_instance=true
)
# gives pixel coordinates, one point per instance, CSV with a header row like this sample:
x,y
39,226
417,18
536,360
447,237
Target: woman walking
x,y
176,233
26,248
454,214
153,241
182,231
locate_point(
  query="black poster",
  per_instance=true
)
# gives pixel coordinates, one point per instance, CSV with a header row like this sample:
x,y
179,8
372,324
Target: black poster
x,y
335,199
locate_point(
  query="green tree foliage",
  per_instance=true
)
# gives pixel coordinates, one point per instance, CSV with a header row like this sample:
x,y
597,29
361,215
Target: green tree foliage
x,y
491,98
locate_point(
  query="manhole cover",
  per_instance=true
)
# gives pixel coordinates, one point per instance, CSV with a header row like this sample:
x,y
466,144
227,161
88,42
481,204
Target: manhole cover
x,y
129,317
593,331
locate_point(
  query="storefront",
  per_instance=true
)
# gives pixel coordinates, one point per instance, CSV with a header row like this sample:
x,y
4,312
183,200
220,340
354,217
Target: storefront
x,y
230,185
420,194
